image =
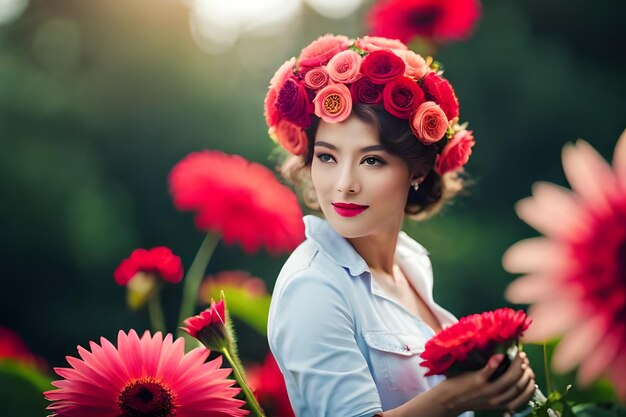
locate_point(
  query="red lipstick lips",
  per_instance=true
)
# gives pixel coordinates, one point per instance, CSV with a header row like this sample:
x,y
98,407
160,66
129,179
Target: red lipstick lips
x,y
348,209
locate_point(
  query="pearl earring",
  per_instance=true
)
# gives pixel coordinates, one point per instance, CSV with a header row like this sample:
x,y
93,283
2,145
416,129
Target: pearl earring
x,y
415,184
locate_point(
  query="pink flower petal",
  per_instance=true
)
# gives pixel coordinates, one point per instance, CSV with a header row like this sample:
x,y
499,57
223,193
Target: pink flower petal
x,y
531,288
578,343
619,160
550,319
534,254
589,174
604,355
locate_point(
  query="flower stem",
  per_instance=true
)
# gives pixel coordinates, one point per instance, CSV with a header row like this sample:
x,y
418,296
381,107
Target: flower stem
x,y
546,366
241,380
155,312
192,282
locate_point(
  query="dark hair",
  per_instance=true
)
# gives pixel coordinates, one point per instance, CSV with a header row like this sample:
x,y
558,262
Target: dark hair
x,y
398,139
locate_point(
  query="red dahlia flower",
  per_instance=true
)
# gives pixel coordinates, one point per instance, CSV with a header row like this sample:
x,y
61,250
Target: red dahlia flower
x,y
147,376
241,200
269,388
437,20
576,274
468,344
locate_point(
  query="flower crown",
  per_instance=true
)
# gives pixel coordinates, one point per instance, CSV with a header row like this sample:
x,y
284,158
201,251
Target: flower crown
x,y
334,71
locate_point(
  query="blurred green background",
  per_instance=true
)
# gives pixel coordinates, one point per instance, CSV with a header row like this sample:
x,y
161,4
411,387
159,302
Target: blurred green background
x,y
100,98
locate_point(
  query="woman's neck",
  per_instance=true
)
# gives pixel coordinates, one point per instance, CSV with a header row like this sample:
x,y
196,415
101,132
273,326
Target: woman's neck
x,y
377,250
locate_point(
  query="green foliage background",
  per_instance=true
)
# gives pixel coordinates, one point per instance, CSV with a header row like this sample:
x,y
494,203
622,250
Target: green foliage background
x,y
100,98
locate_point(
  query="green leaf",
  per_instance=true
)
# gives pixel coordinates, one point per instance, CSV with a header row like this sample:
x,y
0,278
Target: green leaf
x,y
249,308
21,390
598,410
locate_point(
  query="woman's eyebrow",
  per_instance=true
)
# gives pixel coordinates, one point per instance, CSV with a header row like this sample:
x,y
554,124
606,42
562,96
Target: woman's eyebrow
x,y
365,149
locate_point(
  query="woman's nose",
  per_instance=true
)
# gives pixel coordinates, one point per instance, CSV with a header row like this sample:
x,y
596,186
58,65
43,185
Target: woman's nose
x,y
348,182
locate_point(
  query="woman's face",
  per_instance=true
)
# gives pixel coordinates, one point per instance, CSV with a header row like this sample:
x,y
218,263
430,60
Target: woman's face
x,y
361,188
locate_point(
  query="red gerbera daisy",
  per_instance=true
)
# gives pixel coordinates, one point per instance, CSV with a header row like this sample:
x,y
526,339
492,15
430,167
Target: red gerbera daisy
x,y
147,376
469,343
241,200
160,261
576,278
269,388
437,20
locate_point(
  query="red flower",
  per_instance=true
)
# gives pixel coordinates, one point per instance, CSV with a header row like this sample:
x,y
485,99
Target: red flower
x,y
241,200
160,261
468,344
456,153
269,388
293,103
210,327
439,90
402,96
13,347
382,66
365,91
438,20
291,137
272,116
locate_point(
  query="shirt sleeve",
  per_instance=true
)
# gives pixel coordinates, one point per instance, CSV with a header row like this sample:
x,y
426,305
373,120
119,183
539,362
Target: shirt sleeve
x,y
313,340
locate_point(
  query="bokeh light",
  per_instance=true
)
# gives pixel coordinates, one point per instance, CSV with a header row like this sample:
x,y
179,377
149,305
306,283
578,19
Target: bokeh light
x,y
11,10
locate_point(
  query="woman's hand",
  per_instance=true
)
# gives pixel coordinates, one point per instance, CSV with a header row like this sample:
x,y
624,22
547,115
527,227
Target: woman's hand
x,y
473,391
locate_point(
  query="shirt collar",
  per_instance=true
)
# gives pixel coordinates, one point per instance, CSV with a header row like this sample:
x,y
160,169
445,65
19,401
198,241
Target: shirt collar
x,y
341,251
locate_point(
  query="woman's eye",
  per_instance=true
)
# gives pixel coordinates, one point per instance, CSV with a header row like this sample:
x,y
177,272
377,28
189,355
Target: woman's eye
x,y
373,161
324,157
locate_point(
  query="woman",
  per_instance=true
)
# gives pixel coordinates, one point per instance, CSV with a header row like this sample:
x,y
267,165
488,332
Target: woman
x,y
373,134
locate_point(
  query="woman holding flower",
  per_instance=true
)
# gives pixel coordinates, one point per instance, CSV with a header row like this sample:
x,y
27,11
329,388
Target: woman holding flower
x,y
374,136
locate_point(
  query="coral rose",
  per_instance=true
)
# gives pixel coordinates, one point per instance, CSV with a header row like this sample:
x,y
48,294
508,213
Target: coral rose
x,y
333,103
344,67
429,122
402,96
416,66
456,153
293,103
321,50
382,66
316,78
375,43
439,90
291,137
365,91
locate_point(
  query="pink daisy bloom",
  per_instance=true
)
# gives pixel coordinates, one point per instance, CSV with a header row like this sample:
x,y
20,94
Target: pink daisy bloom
x,y
576,282
147,376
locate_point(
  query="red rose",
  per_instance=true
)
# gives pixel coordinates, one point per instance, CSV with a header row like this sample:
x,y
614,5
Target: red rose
x,y
272,116
402,96
293,103
365,91
440,91
456,153
382,66
429,122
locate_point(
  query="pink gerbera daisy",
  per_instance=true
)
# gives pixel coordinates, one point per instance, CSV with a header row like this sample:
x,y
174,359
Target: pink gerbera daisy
x,y
148,376
576,278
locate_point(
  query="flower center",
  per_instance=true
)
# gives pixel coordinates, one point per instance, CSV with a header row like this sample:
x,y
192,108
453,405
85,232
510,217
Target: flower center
x,y
425,18
332,104
146,397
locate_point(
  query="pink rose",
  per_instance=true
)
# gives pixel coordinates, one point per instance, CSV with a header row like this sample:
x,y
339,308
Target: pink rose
x,y
291,137
456,153
283,73
316,78
416,66
366,92
375,43
293,103
429,122
333,103
321,50
402,96
382,66
344,67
